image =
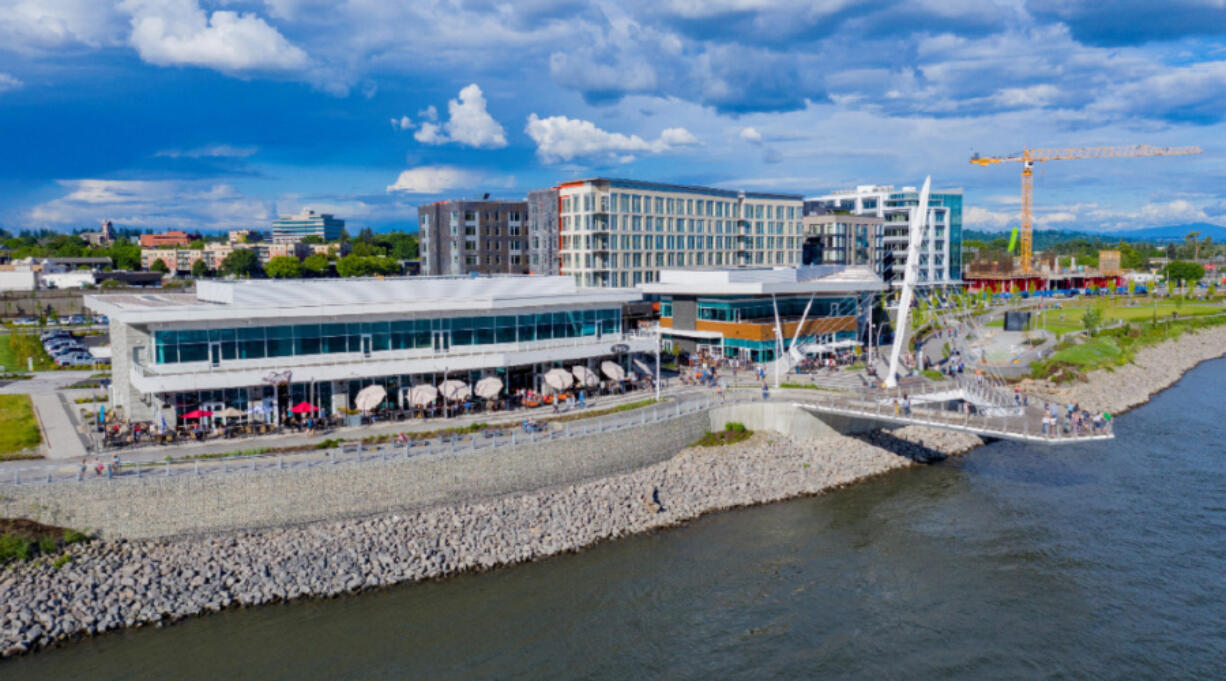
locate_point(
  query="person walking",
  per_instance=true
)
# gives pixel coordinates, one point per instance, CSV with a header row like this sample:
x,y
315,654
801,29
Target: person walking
x,y
765,392
906,404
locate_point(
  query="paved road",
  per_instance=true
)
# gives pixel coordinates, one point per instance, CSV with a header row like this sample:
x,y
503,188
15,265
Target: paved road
x,y
44,382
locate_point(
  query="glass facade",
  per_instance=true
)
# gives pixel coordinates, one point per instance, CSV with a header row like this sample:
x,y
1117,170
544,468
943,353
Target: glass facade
x,y
758,309
257,342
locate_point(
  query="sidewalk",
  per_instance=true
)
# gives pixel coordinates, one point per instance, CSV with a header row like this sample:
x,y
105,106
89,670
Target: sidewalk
x,y
63,441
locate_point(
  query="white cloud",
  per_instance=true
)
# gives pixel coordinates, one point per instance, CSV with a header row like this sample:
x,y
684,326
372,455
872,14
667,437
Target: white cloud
x,y
981,218
470,124
34,25
179,33
751,135
154,204
430,133
433,179
210,151
8,82
402,123
559,138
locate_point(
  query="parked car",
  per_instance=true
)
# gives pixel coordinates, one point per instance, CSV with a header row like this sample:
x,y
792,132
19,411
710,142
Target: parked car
x,y
60,346
25,321
101,319
54,333
76,319
66,350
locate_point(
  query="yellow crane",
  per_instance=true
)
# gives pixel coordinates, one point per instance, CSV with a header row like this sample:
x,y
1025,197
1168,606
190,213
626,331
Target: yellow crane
x,y
1029,157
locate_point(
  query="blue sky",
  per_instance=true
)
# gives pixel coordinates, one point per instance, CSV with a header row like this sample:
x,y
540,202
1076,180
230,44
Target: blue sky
x,y
212,114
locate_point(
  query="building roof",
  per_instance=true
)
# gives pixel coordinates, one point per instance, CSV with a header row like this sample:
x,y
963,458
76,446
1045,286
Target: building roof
x,y
767,280
683,188
237,301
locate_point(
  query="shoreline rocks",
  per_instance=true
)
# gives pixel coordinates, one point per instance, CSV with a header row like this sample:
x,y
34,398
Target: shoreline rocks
x,y
110,585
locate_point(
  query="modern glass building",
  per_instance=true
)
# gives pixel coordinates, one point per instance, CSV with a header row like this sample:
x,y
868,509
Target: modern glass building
x,y
326,340
752,313
307,223
941,250
624,232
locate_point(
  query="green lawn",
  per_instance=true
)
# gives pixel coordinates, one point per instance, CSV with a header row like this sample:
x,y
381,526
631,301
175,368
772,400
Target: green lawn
x,y
1068,317
16,347
18,427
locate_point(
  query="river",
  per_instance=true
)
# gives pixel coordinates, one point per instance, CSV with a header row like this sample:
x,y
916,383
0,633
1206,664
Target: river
x,y
1101,560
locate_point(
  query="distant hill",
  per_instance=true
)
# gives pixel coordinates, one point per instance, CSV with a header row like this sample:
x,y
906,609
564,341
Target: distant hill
x,y
1173,232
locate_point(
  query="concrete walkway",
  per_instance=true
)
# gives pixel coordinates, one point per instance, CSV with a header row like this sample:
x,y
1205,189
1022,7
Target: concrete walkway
x,y
62,441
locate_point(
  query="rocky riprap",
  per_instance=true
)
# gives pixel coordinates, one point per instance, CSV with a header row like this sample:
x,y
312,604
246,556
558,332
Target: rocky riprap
x,y
1153,369
110,585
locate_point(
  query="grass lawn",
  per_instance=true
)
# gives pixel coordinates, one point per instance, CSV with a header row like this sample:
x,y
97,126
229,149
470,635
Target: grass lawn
x,y
1068,317
18,428
16,347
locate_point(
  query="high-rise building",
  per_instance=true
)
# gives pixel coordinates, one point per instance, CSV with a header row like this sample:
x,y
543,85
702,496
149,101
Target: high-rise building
x,y
543,231
306,223
941,250
463,237
842,239
623,232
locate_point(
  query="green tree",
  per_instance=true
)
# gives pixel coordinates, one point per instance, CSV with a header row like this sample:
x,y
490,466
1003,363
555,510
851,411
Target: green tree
x,y
1092,319
1132,288
316,265
1183,272
313,239
284,267
200,269
242,263
159,266
366,266
197,245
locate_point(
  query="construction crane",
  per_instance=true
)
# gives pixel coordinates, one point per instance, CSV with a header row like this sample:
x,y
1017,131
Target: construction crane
x,y
1029,157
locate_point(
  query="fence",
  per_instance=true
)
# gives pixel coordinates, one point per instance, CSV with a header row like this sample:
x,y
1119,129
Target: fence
x,y
491,438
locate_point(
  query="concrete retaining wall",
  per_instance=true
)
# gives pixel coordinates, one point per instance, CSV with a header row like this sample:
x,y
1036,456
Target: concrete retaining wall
x,y
155,506
161,507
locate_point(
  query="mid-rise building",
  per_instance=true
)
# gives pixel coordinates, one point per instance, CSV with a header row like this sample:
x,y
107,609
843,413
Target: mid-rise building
x,y
307,223
543,231
624,232
941,250
322,341
169,239
735,312
465,237
841,239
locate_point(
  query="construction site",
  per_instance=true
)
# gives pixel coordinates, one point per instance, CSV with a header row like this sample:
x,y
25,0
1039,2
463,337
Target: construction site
x,y
1026,273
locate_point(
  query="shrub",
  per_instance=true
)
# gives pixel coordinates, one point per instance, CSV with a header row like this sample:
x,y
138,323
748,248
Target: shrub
x,y
74,537
61,561
734,427
48,545
13,547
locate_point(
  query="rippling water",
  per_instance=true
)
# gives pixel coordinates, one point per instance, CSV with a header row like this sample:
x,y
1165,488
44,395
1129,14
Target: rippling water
x,y
1103,560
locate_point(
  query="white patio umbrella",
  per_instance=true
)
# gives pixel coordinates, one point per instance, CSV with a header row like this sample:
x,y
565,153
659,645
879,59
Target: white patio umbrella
x,y
559,379
369,397
642,368
488,387
454,390
422,394
613,370
585,376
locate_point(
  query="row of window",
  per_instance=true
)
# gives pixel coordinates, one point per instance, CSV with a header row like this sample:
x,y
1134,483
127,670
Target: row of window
x,y
573,261
617,202
256,342
634,243
636,223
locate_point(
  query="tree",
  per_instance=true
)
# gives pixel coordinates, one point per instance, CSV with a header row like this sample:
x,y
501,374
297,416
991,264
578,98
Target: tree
x,y
366,266
159,266
1183,272
241,263
200,269
316,265
1192,239
284,267
1091,319
1132,288
313,239
197,245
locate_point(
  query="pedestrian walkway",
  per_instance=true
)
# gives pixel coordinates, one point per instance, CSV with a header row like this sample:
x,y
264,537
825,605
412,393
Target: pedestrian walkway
x,y
61,438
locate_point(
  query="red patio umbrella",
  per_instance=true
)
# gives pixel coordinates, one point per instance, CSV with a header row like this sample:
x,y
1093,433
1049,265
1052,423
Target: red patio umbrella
x,y
197,414
302,408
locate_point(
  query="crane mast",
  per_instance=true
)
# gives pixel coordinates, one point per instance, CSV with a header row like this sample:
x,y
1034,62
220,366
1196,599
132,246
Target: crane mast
x,y
1028,157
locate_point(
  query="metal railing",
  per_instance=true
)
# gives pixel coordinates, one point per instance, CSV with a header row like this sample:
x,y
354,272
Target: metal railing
x,y
491,438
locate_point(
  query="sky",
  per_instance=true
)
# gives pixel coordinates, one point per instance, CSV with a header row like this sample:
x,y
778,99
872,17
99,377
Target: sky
x,y
216,114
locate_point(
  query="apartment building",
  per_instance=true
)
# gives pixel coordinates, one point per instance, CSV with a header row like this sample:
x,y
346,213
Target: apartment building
x,y
842,239
465,237
941,250
623,232
167,239
543,231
